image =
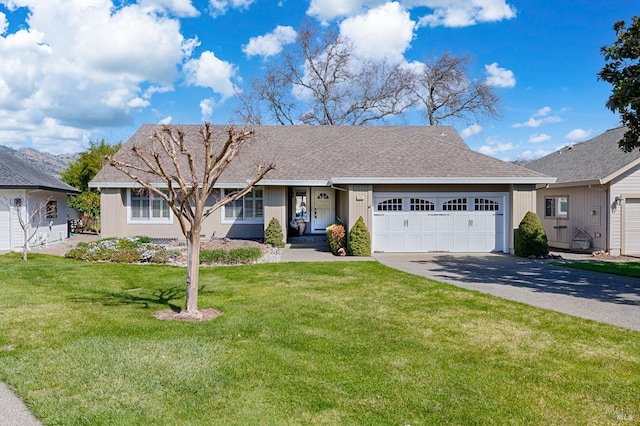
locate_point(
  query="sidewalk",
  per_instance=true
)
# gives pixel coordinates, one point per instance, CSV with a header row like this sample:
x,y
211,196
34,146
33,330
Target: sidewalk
x,y
13,411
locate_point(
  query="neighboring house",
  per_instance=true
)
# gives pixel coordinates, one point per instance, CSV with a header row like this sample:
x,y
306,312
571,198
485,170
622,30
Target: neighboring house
x,y
418,189
595,202
23,188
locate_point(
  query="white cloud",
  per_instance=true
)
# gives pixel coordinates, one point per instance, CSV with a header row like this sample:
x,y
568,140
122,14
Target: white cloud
x,y
382,32
220,7
270,44
166,120
180,8
495,146
4,24
463,13
533,155
474,129
540,117
209,71
82,64
327,10
499,77
539,138
579,135
206,108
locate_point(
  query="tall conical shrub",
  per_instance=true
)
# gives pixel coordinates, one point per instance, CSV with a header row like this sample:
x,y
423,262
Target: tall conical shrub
x,y
273,234
359,239
530,237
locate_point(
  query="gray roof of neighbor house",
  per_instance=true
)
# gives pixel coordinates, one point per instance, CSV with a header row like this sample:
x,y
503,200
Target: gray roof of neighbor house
x,y
597,160
16,173
323,155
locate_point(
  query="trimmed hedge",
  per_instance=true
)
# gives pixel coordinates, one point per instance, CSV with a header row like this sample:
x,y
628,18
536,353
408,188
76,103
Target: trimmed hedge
x,y
273,234
359,239
531,240
336,237
231,257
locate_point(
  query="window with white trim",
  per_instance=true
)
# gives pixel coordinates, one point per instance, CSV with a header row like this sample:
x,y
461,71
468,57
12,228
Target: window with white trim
x,y
557,207
457,204
421,205
249,208
485,205
147,206
392,204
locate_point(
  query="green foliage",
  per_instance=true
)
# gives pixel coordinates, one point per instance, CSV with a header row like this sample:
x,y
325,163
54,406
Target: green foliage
x,y
336,237
81,171
622,71
237,256
87,202
359,239
530,237
120,250
273,234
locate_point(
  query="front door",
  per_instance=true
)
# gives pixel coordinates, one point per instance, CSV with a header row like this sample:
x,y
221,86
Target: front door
x,y
323,209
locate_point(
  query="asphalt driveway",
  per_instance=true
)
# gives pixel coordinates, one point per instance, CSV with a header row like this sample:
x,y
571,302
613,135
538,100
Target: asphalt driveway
x,y
601,297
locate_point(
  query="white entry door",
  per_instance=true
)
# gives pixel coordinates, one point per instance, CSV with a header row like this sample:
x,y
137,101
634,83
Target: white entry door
x,y
5,227
322,210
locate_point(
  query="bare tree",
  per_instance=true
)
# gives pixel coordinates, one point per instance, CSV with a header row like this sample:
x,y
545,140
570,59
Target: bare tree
x,y
322,81
189,173
31,213
444,92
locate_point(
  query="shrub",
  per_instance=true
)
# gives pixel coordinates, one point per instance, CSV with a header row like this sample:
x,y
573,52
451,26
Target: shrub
x,y
234,256
273,234
530,237
120,250
360,239
336,237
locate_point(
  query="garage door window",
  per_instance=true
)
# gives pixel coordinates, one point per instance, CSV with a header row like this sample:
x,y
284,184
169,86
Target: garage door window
x,y
484,205
392,204
455,205
421,205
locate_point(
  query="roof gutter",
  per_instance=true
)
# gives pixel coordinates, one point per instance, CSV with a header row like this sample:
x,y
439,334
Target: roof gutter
x,y
443,180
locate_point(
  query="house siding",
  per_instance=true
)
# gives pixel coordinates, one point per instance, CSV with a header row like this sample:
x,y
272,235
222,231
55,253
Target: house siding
x,y
360,200
626,186
587,209
275,206
523,200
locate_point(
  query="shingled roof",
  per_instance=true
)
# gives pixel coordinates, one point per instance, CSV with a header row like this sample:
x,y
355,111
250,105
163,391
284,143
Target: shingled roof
x,y
16,173
597,160
321,155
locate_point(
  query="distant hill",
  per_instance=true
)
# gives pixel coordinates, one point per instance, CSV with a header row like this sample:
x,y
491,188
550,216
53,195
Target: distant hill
x,y
49,163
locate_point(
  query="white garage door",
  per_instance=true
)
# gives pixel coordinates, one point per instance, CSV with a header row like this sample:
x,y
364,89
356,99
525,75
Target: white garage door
x,y
4,227
632,226
423,223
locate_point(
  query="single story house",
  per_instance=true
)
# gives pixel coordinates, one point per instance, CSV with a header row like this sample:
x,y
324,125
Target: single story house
x,y
23,189
595,202
417,188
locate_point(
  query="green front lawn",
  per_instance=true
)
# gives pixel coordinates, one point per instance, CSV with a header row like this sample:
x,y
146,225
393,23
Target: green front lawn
x,y
321,343
629,269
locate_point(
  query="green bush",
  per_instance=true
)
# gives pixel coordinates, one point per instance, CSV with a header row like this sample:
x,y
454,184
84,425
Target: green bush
x,y
242,255
336,237
530,237
120,250
359,239
273,234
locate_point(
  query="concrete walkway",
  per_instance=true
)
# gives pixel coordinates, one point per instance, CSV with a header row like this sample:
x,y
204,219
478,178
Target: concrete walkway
x,y
12,411
601,297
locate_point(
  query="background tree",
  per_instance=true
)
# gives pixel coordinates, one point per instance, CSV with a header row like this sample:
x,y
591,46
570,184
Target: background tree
x,y
443,92
78,175
189,172
622,71
322,81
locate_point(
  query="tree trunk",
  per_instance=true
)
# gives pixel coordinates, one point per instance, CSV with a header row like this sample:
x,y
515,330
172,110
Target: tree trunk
x,y
25,246
193,272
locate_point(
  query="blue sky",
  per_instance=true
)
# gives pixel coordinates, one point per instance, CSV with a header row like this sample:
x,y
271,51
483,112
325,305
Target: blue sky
x,y
73,71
